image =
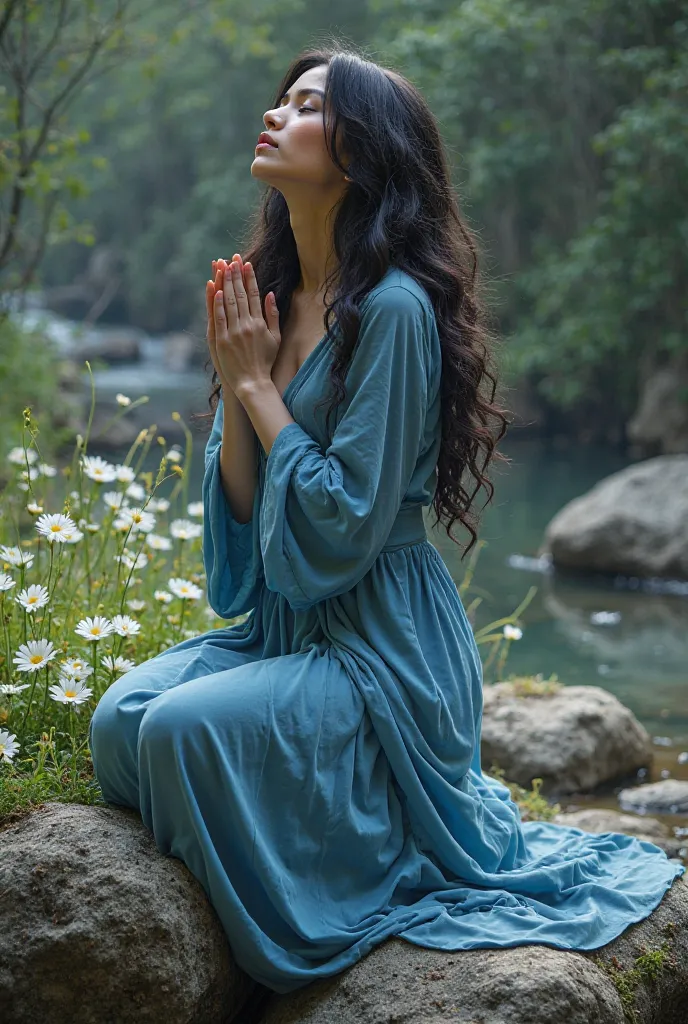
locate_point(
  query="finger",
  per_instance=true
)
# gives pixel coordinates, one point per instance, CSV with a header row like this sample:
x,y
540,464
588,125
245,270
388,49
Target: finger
x,y
252,292
240,291
244,272
230,302
209,296
221,331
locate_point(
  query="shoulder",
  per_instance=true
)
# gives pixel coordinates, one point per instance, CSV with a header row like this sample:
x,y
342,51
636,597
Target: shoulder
x,y
398,292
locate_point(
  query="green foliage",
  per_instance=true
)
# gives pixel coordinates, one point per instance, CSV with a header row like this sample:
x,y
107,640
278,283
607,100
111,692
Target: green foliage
x,y
29,375
50,51
571,126
531,804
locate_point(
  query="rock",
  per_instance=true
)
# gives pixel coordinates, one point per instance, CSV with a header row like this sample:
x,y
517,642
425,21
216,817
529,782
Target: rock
x,y
182,351
601,819
531,984
634,522
670,796
573,739
110,344
97,927
660,423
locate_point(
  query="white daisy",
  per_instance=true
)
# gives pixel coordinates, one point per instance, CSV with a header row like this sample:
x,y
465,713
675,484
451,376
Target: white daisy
x,y
8,746
34,655
125,625
73,536
56,527
118,664
184,588
114,499
98,469
91,527
122,399
33,597
6,581
95,628
10,688
17,456
34,508
136,491
139,519
136,605
70,691
195,508
158,504
140,562
173,455
75,668
46,470
184,529
30,474
125,474
158,542
512,632
163,596
15,556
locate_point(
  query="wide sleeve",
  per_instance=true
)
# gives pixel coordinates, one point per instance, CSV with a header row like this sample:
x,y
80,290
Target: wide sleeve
x,y
231,550
325,515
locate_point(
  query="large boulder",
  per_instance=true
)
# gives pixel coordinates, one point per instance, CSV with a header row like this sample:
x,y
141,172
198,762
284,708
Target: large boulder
x,y
574,738
634,522
97,927
641,976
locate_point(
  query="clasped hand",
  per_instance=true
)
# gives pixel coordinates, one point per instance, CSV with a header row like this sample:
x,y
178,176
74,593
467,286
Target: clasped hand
x,y
243,342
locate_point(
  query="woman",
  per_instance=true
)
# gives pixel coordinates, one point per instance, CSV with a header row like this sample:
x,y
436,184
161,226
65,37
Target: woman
x,y
317,767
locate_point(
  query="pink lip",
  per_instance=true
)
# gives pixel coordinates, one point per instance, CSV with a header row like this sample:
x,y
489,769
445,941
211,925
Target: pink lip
x,y
265,145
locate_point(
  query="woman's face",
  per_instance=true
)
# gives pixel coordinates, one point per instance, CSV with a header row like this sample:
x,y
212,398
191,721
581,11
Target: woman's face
x,y
296,124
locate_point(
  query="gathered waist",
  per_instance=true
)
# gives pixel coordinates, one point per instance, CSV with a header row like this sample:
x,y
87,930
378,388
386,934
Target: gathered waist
x,y
407,528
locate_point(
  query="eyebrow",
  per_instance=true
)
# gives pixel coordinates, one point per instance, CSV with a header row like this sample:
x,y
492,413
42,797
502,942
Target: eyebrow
x,y
303,92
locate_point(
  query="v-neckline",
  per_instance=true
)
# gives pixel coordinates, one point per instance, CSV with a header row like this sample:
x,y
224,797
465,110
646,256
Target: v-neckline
x,y
299,373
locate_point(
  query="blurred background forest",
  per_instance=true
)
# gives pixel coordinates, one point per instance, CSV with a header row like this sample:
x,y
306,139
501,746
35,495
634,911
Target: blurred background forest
x,y
127,133
567,126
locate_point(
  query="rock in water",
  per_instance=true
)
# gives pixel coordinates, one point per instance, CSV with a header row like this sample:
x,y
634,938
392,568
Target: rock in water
x,y
573,739
634,522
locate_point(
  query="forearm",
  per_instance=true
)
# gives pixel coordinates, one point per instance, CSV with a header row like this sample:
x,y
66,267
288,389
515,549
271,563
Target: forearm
x,y
266,412
238,471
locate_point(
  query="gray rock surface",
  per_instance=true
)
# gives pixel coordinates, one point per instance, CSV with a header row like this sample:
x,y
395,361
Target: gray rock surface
x,y
634,522
573,739
669,796
98,927
399,983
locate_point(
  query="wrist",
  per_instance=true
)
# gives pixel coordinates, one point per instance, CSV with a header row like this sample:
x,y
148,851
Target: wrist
x,y
250,390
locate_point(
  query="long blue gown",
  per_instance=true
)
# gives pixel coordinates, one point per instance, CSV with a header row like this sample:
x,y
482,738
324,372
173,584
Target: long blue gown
x,y
317,767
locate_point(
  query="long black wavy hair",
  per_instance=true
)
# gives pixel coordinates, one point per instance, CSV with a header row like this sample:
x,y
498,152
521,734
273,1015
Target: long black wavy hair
x,y
400,209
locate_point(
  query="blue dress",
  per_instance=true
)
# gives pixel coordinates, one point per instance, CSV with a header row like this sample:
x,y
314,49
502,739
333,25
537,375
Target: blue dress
x,y
317,767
